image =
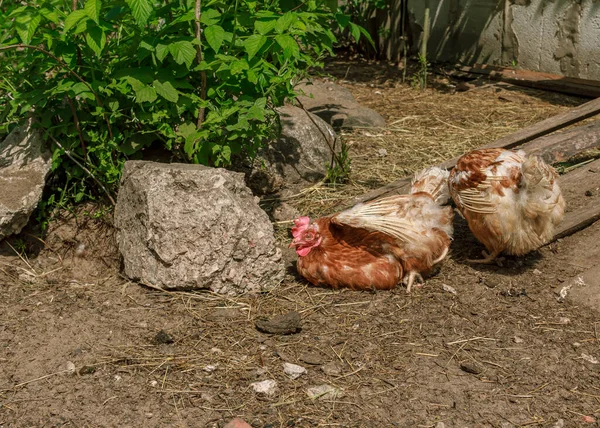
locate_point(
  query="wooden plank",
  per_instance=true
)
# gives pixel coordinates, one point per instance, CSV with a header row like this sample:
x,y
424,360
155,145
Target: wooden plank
x,y
549,125
510,141
581,190
536,80
562,146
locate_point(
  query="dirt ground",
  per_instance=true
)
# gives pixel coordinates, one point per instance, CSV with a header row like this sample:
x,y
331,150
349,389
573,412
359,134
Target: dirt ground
x,y
80,344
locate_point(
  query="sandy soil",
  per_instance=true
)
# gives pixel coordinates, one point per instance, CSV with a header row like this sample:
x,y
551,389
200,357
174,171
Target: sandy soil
x,y
80,345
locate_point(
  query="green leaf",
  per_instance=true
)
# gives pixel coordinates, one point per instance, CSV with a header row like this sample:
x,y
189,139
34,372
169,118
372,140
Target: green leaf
x,y
226,153
355,31
49,14
288,44
210,17
161,51
73,19
367,35
183,52
186,129
96,40
145,94
285,21
238,66
253,44
166,90
92,9
264,27
214,36
141,10
26,24
252,77
342,19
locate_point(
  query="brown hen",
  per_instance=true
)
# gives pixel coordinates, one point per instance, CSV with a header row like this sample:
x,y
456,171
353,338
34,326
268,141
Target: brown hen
x,y
511,201
377,244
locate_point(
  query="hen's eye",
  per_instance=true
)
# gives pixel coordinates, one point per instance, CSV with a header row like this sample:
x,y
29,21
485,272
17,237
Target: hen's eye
x,y
309,236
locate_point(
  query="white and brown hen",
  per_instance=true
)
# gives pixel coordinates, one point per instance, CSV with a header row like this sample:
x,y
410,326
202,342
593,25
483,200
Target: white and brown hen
x,y
511,201
375,245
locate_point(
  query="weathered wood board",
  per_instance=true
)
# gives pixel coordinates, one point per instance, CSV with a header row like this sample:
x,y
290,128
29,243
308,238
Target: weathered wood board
x,y
535,79
581,190
552,148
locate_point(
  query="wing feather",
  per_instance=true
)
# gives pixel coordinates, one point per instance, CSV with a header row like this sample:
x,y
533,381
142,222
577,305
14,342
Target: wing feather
x,y
385,215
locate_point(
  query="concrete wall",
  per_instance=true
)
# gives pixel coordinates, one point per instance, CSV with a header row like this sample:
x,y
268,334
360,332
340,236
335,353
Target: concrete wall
x,y
555,36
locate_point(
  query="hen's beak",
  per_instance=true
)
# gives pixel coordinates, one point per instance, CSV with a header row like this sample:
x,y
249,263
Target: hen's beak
x,y
293,244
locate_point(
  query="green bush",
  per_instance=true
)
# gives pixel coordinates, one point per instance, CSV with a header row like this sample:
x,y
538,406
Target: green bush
x,y
106,79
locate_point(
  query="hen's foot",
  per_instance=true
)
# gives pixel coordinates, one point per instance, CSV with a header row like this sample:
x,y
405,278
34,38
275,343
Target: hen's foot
x,y
410,279
489,258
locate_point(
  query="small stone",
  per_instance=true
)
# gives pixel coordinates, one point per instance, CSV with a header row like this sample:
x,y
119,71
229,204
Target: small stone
x,y
87,370
491,282
564,320
153,383
267,387
588,419
237,423
590,359
440,425
118,378
331,369
162,337
280,324
70,367
324,391
537,272
449,289
470,367
576,344
80,250
588,193
210,368
517,339
149,415
559,424
382,153
294,371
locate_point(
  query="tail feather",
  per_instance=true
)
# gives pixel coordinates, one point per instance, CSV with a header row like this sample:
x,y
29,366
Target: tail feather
x,y
538,176
433,181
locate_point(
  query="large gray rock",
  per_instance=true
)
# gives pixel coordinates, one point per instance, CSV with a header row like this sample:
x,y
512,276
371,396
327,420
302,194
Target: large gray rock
x,y
185,226
336,106
299,157
24,166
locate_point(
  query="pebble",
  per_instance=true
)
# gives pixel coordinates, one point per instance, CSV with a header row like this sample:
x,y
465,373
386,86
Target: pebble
x,y
210,368
324,391
70,367
559,424
294,371
153,383
331,369
267,387
517,339
590,359
470,367
449,289
280,324
537,272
